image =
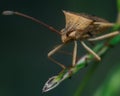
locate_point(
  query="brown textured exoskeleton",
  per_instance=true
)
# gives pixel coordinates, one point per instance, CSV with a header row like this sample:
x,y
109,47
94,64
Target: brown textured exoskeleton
x,y
79,27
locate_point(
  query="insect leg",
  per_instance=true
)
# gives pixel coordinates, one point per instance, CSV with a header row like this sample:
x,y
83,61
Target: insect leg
x,y
53,52
90,51
112,34
74,53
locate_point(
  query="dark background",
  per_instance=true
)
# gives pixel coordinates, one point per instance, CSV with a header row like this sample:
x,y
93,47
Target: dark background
x,y
24,66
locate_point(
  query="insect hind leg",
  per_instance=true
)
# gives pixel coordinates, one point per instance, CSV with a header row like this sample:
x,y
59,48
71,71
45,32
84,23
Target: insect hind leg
x,y
112,34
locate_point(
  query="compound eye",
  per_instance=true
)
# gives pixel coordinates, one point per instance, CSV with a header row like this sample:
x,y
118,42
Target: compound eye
x,y
67,35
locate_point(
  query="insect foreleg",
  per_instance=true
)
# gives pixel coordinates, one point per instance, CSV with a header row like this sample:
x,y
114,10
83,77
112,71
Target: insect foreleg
x,y
112,34
53,52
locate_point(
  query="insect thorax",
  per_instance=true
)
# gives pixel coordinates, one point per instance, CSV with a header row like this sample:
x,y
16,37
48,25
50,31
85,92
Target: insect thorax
x,y
79,26
76,34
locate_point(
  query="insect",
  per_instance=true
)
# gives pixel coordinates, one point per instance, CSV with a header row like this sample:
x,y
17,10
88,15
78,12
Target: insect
x,y
79,27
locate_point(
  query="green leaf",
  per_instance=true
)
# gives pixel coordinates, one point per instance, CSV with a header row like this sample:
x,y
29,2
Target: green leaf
x,y
111,86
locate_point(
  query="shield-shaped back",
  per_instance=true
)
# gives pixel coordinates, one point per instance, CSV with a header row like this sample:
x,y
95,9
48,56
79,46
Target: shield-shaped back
x,y
74,21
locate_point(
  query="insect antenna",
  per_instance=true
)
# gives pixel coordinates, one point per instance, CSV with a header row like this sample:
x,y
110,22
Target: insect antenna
x,y
31,18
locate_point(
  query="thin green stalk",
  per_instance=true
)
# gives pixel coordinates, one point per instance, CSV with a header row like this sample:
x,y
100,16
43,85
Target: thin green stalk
x,y
118,15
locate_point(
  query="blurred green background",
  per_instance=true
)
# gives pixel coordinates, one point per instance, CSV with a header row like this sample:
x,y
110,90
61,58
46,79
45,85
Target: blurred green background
x,y
24,66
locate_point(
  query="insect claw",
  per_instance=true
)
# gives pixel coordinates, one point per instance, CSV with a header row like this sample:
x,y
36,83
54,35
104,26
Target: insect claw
x,y
70,72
